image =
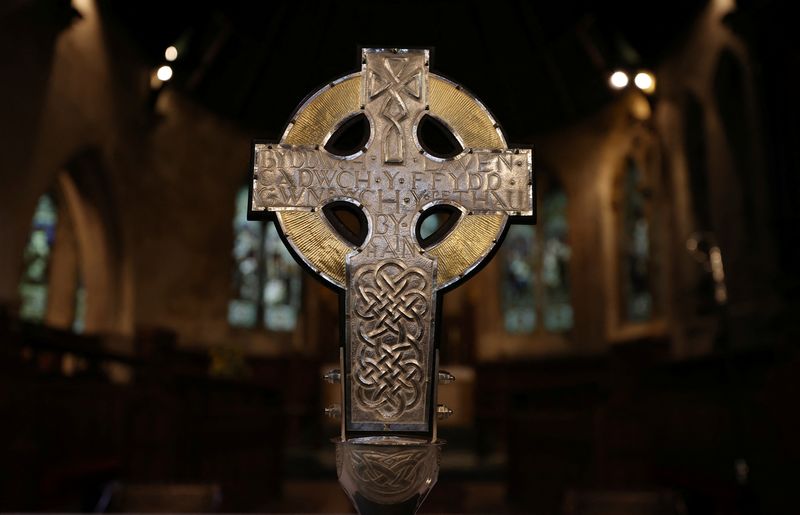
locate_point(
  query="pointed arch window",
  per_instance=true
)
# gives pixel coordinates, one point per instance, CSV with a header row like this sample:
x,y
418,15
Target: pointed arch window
x,y
34,284
536,285
51,258
556,253
519,279
266,282
636,263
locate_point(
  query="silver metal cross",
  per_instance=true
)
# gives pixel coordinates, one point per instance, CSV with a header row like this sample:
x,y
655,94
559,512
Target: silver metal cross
x,y
391,280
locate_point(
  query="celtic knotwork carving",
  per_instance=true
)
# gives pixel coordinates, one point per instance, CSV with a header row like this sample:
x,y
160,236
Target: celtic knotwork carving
x,y
392,474
389,311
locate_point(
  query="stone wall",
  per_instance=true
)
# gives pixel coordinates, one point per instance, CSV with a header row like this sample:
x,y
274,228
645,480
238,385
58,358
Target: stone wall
x,y
153,201
150,180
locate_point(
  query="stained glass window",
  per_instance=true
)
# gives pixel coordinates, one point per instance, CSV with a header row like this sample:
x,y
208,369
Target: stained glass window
x,y
35,276
243,307
536,292
34,287
266,279
282,285
519,270
78,322
556,253
635,247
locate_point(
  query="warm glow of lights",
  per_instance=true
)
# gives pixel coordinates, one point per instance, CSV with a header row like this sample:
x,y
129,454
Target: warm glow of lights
x,y
640,107
164,73
171,53
618,79
645,81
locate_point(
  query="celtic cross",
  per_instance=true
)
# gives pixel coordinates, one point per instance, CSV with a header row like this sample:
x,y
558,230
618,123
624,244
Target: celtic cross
x,y
390,274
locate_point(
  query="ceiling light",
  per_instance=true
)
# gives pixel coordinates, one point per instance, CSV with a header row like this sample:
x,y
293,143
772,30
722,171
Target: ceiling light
x,y
164,73
645,81
618,79
171,53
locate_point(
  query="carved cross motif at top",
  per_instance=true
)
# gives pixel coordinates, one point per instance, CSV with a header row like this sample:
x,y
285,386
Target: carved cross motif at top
x,y
402,80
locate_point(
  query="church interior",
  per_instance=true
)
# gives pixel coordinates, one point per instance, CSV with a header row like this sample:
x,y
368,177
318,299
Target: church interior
x,y
635,352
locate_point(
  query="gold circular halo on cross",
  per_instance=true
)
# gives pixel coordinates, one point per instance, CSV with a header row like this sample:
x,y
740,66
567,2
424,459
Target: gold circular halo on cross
x,y
473,237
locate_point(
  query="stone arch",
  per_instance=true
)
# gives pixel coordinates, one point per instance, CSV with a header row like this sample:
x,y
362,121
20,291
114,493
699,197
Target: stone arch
x,y
103,261
696,151
733,105
90,251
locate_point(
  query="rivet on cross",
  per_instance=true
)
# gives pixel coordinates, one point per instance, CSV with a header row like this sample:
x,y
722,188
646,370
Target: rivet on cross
x,y
391,280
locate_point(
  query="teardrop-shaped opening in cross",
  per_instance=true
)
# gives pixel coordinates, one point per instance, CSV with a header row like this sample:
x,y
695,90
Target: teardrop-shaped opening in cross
x,y
437,139
348,220
436,223
350,137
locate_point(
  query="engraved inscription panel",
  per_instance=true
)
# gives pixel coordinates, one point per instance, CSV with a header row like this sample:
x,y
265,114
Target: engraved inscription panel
x,y
297,177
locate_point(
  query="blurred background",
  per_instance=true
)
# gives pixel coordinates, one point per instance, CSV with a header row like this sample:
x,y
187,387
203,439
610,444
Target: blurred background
x,y
636,352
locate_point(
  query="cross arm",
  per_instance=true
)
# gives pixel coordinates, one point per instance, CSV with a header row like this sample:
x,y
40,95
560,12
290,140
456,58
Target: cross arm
x,y
302,178
483,181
